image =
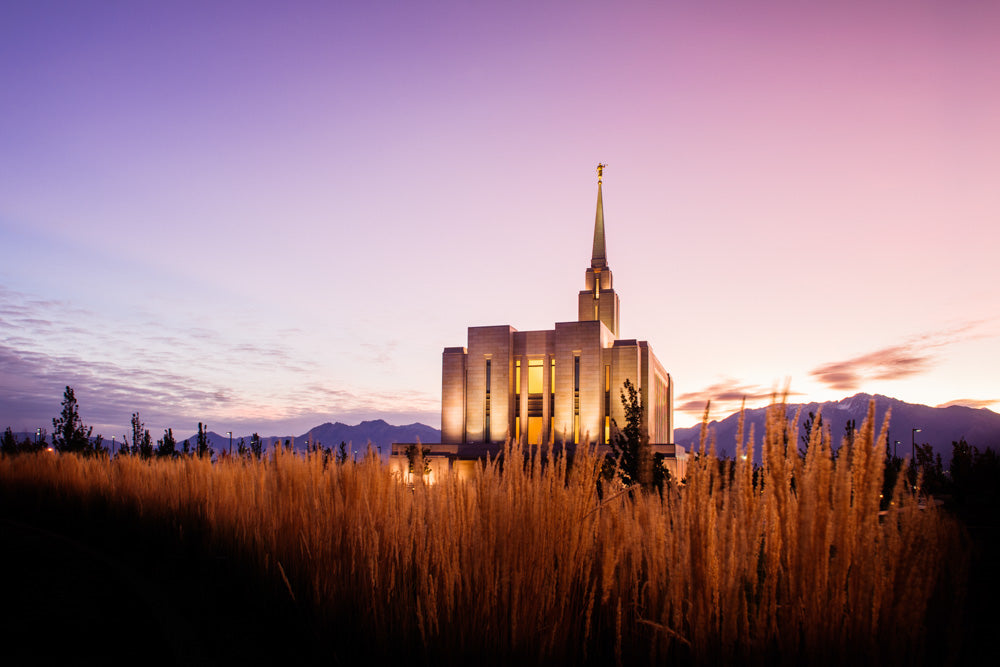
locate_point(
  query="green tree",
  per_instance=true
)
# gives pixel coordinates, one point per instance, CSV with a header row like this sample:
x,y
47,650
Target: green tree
x,y
342,454
975,479
416,456
9,444
812,421
632,457
70,435
256,446
166,447
142,441
930,466
202,448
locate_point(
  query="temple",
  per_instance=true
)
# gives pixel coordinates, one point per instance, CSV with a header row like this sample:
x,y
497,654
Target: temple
x,y
560,386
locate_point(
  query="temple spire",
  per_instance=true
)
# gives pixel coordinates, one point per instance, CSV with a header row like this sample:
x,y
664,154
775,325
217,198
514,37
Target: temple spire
x,y
599,259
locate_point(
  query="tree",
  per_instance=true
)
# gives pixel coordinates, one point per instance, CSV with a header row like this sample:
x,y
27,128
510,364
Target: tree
x,y
202,448
342,454
142,441
931,466
975,479
256,446
166,447
70,434
416,456
9,444
632,457
807,427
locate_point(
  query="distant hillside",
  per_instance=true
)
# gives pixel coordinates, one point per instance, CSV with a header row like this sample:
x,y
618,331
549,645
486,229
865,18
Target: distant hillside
x,y
938,426
378,432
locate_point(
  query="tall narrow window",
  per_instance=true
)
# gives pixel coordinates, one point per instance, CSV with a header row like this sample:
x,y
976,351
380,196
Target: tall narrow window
x,y
486,424
607,390
576,399
535,376
552,401
517,400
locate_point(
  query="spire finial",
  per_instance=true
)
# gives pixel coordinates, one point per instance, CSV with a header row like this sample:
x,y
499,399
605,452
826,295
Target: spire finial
x,y
599,259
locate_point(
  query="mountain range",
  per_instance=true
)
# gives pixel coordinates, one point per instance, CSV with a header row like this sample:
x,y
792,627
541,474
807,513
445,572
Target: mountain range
x,y
378,432
939,427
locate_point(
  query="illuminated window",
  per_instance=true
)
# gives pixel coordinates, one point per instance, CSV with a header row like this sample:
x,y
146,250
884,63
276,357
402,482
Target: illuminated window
x,y
517,377
552,401
534,430
607,390
576,399
535,376
486,420
607,430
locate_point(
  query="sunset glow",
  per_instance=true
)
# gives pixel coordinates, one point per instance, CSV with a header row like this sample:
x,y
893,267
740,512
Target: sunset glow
x,y
266,218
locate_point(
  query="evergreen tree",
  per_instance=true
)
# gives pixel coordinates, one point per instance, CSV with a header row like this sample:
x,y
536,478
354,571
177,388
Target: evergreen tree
x,y
70,435
812,421
9,444
632,457
256,446
202,442
142,441
166,447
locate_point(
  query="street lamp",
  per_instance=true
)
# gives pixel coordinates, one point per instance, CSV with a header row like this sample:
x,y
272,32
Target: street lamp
x,y
38,435
112,445
230,434
894,445
913,445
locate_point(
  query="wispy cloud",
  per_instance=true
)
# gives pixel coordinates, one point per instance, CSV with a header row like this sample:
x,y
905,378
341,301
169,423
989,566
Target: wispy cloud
x,y
895,362
971,403
381,353
172,373
727,395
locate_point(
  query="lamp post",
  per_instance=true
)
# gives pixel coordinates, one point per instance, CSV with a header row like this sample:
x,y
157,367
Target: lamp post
x,y
230,434
894,445
913,445
38,435
112,445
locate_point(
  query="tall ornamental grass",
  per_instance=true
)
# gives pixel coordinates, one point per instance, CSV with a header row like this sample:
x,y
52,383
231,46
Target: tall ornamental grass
x,y
790,561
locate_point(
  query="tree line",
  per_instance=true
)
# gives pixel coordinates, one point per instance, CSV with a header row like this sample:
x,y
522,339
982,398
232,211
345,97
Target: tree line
x,y
71,435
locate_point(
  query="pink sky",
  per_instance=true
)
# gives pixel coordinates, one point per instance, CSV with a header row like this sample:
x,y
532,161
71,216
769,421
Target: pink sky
x,y
269,215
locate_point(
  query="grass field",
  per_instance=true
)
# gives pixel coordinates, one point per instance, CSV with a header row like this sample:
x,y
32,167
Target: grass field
x,y
790,563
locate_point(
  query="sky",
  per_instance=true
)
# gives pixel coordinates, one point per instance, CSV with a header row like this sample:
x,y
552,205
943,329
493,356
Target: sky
x,y
269,215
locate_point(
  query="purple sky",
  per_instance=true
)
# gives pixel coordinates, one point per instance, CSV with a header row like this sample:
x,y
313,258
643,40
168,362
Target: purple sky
x,y
265,216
